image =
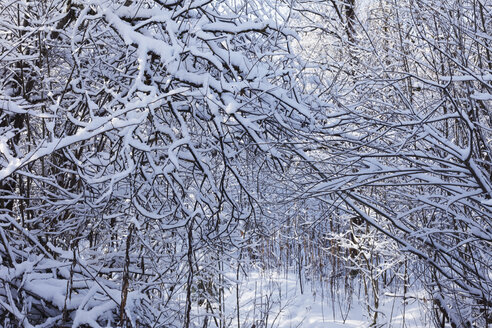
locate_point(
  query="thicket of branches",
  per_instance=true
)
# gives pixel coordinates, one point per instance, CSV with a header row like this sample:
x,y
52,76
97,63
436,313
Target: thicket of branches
x,y
406,158
149,148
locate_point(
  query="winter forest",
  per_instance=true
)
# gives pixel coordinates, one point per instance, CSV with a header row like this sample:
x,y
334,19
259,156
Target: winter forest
x,y
245,163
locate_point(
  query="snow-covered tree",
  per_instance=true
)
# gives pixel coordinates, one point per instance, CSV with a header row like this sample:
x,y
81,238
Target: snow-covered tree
x,y
409,149
126,130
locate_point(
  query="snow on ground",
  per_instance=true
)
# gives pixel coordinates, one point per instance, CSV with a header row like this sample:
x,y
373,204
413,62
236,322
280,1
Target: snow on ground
x,y
274,300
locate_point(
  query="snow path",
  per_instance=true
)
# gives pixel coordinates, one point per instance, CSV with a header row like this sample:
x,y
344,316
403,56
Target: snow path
x,y
274,300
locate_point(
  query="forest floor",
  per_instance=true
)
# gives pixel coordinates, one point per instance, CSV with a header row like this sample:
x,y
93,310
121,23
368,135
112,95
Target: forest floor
x,y
274,300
